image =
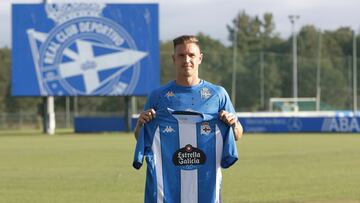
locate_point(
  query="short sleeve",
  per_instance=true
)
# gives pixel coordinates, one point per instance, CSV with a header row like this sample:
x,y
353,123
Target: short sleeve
x,y
229,153
152,100
143,144
139,150
225,102
148,104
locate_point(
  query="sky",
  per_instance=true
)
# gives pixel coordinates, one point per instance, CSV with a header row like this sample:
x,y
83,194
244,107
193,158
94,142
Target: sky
x,y
210,17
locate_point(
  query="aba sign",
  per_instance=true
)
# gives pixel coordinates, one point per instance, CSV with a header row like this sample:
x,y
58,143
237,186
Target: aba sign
x,y
85,49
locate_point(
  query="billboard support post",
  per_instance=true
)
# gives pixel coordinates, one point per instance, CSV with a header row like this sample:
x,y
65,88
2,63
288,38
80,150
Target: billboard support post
x,y
49,109
49,123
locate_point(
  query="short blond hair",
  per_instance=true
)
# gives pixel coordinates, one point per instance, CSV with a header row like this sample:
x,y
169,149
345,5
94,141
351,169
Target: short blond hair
x,y
186,39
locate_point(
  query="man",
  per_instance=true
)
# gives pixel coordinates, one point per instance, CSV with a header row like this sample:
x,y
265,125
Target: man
x,y
188,91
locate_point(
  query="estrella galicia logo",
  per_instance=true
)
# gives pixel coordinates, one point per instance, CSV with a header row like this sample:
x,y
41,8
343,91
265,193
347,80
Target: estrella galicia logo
x,y
189,157
85,53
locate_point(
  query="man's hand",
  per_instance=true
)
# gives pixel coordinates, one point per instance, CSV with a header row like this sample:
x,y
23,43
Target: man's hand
x,y
144,117
233,121
228,118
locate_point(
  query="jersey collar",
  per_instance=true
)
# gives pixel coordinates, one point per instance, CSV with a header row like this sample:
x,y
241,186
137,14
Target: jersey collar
x,y
190,115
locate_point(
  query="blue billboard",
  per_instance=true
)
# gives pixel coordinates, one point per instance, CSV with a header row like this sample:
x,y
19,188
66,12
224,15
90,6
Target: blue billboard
x,y
337,122
88,49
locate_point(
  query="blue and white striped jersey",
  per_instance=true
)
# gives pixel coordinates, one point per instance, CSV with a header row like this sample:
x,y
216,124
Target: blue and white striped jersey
x,y
185,152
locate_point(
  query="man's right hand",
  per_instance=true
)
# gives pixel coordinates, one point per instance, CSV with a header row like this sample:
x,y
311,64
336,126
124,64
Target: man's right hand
x,y
144,117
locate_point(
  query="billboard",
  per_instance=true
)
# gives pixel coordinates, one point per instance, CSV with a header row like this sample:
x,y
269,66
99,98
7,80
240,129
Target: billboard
x,y
90,49
337,121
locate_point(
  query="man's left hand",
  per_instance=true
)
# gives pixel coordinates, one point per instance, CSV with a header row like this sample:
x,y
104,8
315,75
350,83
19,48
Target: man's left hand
x,y
228,118
232,120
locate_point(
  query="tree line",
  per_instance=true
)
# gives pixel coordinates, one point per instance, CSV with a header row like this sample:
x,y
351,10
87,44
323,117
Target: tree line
x,y
263,68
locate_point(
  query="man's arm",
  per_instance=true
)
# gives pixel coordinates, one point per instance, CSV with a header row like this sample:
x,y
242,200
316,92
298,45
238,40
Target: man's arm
x,y
238,130
233,121
144,117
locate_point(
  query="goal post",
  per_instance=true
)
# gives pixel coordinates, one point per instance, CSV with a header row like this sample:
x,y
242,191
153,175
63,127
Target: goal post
x,y
292,104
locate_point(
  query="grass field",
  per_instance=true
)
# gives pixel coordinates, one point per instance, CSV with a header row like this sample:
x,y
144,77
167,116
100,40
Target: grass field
x,y
96,168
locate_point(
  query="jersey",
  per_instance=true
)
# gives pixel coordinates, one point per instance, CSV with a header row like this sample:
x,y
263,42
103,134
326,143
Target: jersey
x,y
185,152
204,97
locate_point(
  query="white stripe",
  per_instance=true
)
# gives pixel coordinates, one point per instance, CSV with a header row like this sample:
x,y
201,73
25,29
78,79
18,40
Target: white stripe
x,y
219,149
189,178
156,148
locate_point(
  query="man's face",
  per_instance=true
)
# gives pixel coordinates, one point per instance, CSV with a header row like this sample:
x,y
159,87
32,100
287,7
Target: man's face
x,y
187,58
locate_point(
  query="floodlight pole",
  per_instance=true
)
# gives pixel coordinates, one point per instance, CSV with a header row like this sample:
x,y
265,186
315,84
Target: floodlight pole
x,y
318,74
293,19
233,81
354,72
49,123
262,82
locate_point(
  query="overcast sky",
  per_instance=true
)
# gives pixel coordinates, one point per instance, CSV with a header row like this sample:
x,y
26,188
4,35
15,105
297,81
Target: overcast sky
x,y
211,16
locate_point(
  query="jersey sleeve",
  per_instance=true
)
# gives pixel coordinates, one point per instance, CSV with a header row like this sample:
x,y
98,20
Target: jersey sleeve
x,y
152,100
144,142
139,150
229,153
225,102
148,104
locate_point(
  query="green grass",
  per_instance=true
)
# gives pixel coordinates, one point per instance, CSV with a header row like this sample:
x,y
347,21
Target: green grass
x,y
96,168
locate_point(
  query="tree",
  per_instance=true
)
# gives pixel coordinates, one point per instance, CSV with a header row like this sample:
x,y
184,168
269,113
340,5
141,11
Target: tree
x,y
216,60
253,37
336,78
167,69
4,76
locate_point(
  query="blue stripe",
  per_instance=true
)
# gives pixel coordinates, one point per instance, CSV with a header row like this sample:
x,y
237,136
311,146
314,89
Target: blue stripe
x,y
207,172
150,185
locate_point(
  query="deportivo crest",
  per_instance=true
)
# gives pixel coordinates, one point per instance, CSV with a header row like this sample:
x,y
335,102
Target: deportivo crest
x,y
85,53
205,93
205,128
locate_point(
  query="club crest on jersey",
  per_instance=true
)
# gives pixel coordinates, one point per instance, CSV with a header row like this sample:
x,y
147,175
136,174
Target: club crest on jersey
x,y
205,93
189,157
169,94
168,129
205,128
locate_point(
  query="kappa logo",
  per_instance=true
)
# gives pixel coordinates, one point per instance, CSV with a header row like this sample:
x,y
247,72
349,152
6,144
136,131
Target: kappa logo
x,y
169,94
205,128
85,53
205,93
168,129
